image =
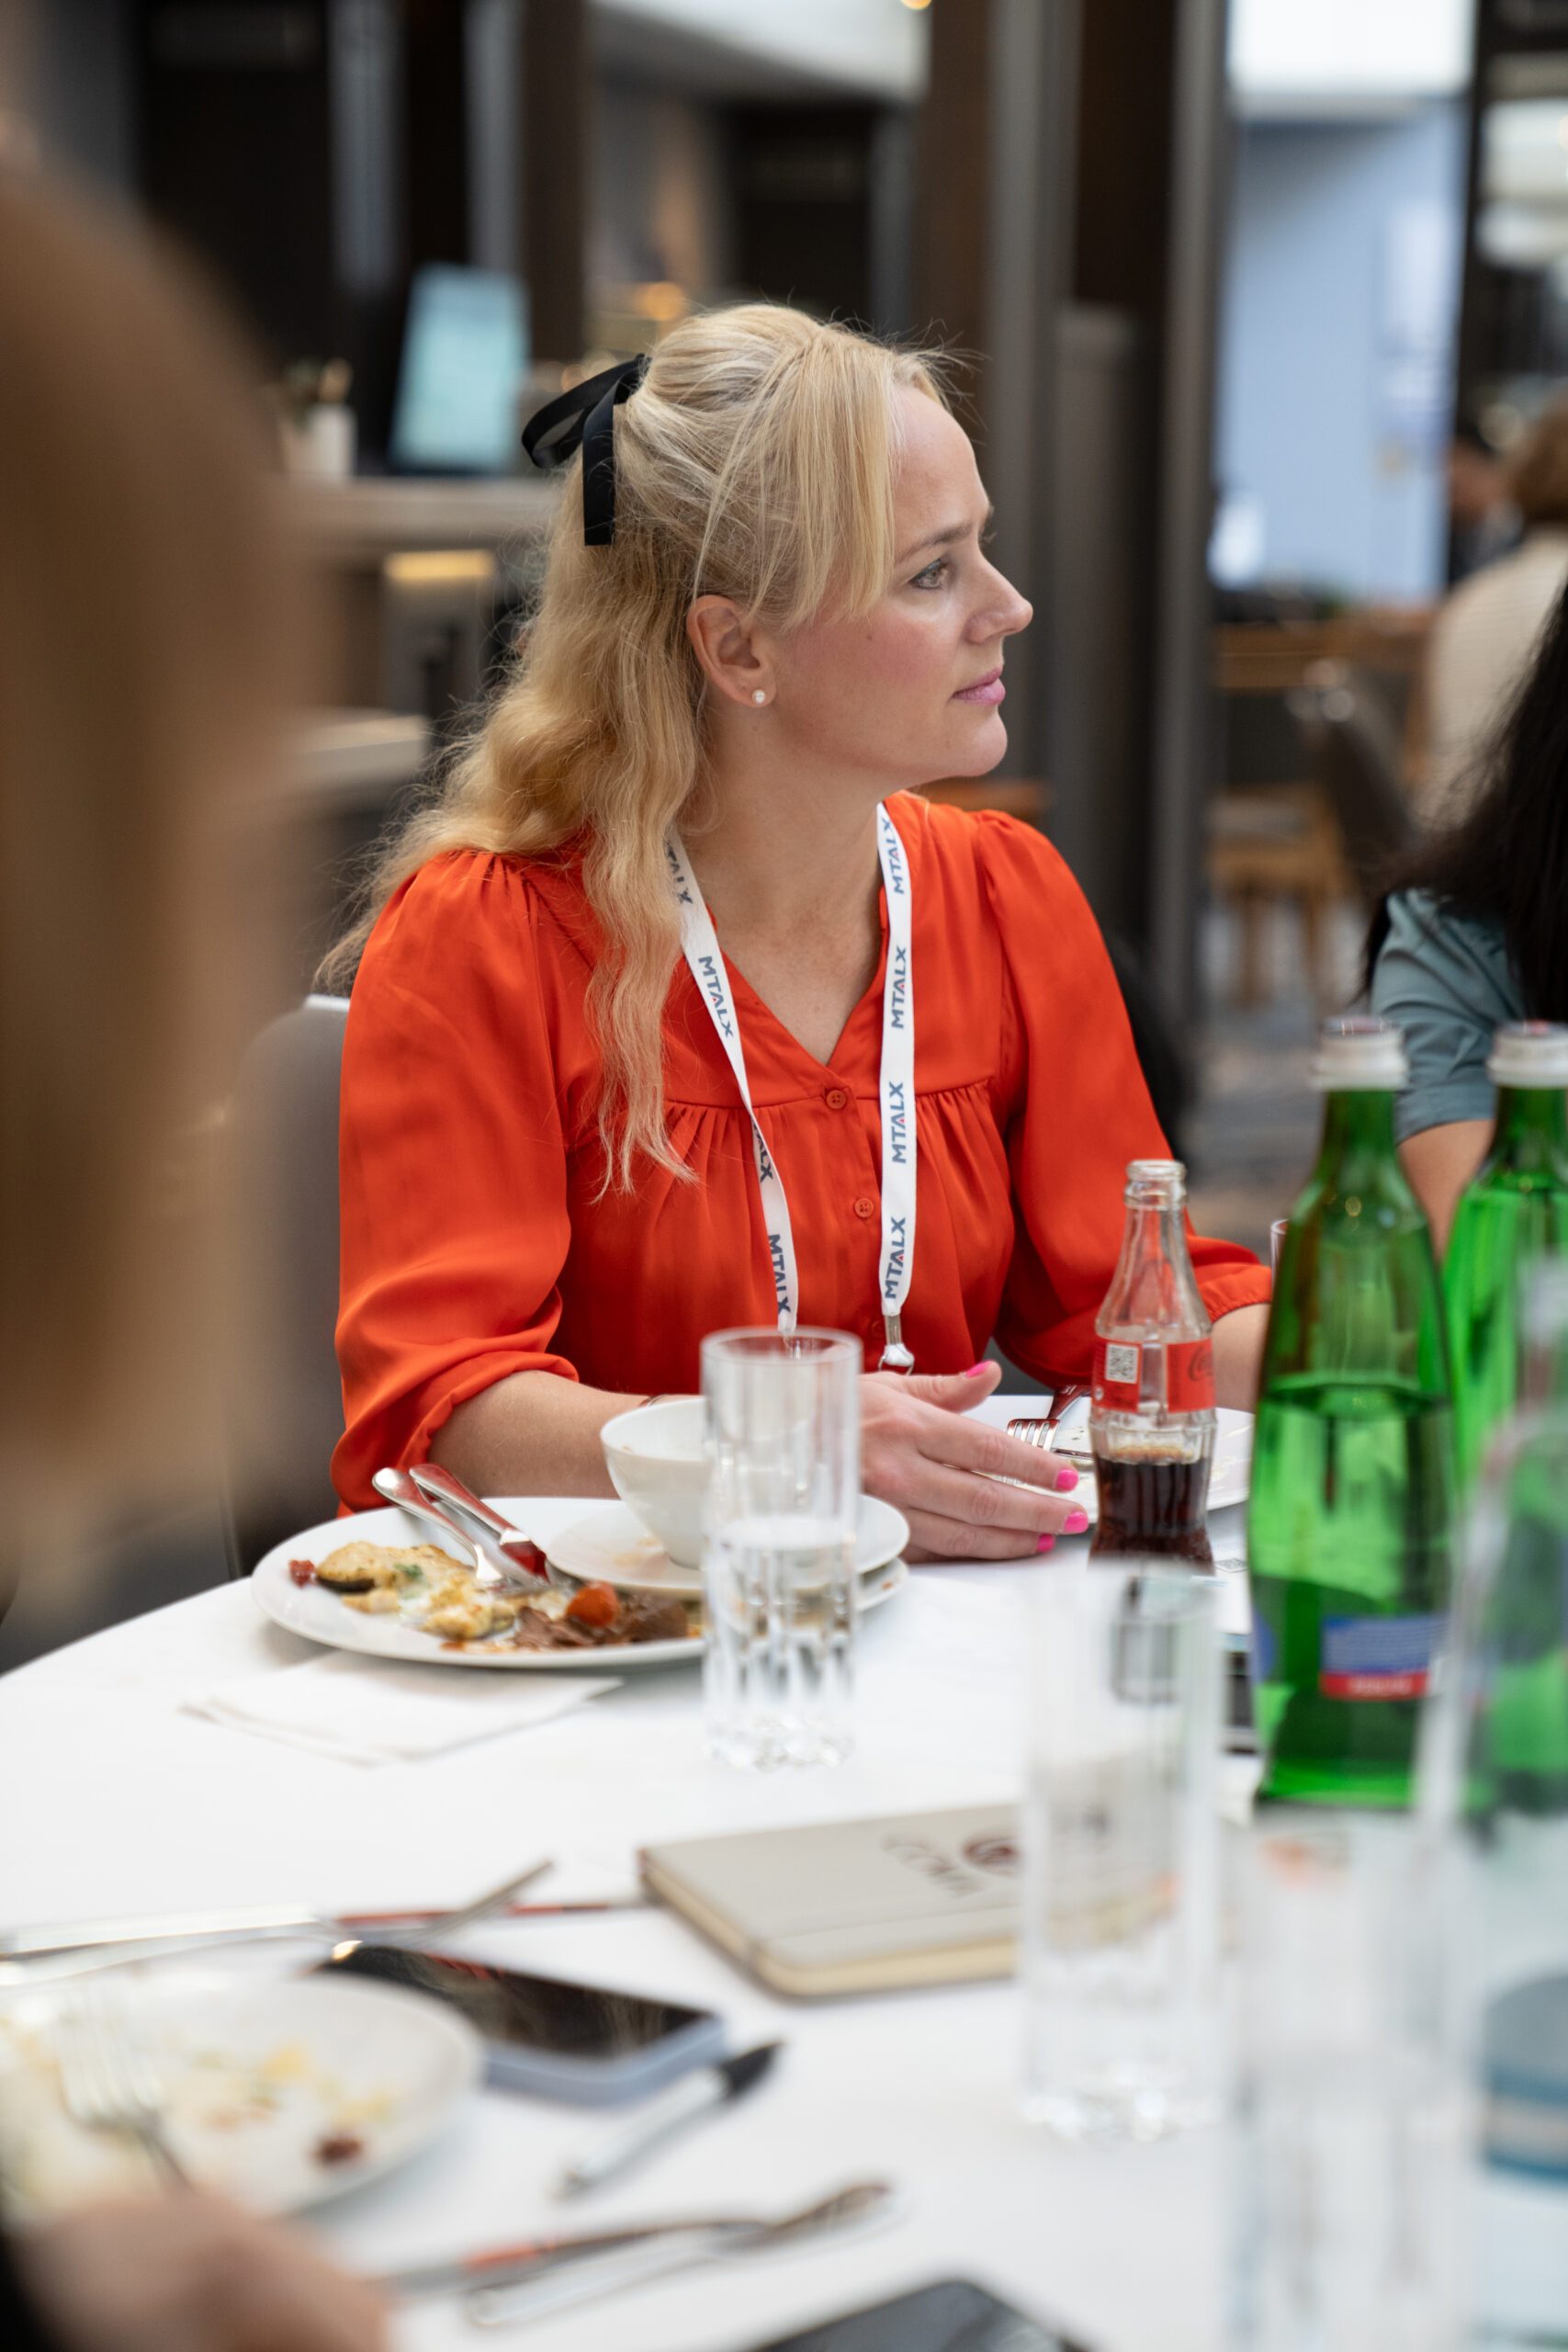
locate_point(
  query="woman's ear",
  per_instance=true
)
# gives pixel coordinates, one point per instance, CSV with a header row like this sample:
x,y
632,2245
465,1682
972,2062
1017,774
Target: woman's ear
x,y
733,661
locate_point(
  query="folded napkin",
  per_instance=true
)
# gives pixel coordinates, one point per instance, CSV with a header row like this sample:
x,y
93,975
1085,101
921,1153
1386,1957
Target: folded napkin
x,y
373,1711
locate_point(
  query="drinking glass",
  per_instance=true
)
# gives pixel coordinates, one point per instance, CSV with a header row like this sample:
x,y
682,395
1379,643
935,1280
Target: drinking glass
x,y
782,1421
1350,2209
1120,1848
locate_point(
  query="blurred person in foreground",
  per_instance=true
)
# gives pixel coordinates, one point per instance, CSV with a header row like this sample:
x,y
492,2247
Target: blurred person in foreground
x,y
1475,933
1490,625
552,1184
142,656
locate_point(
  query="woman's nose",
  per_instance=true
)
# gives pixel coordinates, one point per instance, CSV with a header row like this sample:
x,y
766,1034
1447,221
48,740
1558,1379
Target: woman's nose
x,y
1003,614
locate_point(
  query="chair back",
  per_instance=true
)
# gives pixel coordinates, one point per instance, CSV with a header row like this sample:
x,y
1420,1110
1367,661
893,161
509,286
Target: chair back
x,y
283,1401
1353,757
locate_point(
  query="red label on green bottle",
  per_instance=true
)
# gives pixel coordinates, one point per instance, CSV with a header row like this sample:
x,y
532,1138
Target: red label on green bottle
x,y
1377,1658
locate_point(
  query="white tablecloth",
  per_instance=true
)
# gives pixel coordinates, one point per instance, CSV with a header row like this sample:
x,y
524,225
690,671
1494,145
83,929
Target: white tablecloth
x,y
116,1802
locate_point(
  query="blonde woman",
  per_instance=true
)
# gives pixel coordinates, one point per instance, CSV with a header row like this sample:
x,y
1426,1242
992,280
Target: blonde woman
x,y
129,719
681,1011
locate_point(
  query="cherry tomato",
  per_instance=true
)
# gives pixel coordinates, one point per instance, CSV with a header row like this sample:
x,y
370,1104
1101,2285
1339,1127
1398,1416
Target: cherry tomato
x,y
596,1604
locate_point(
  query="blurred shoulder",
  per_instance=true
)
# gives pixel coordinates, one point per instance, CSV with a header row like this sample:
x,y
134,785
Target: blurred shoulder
x,y
1444,951
467,905
996,851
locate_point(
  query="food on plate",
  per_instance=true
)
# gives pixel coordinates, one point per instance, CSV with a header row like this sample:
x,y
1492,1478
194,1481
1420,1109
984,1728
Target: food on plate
x,y
432,1593
596,1604
369,1568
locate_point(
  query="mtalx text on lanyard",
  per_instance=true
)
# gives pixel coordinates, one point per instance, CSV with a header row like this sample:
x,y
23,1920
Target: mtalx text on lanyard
x,y
895,1087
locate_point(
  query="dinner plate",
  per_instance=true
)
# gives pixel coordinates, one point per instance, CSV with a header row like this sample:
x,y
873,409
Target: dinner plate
x,y
317,1615
280,2093
612,1546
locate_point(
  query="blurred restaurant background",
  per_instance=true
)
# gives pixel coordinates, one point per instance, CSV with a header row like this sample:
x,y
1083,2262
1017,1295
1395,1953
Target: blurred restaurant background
x,y
1255,303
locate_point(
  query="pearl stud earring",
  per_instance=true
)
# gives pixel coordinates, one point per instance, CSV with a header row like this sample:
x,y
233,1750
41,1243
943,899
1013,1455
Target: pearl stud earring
x,y
759,694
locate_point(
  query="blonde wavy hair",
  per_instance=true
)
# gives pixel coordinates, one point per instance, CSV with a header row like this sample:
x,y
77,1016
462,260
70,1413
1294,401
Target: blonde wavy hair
x,y
756,461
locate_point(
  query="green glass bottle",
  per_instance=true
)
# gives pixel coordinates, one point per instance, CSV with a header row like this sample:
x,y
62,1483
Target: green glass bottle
x,y
1351,1521
1514,1214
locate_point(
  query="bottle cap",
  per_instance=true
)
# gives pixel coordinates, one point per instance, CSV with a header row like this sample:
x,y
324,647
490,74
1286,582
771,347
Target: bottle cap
x,y
1359,1056
1529,1053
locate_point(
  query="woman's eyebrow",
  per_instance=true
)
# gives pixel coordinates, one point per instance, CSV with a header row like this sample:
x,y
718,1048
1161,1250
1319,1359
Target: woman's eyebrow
x,y
950,537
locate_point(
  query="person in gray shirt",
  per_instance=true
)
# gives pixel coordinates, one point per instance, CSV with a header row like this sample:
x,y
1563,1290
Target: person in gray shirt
x,y
1475,932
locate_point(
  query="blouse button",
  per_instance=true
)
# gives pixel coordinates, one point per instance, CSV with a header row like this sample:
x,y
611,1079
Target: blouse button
x,y
837,1098
865,1207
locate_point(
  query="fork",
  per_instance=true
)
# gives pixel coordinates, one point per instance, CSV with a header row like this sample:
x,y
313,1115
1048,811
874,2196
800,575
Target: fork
x,y
1039,1433
112,2084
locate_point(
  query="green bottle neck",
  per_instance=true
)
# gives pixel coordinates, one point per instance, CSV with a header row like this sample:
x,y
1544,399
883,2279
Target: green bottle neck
x,y
1532,1128
1357,1153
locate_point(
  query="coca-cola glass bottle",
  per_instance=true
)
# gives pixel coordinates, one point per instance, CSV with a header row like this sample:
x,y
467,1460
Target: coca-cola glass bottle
x,y
1151,1423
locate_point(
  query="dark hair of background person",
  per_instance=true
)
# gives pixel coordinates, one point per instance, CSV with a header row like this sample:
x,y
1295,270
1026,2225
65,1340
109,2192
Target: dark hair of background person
x,y
1506,859
145,656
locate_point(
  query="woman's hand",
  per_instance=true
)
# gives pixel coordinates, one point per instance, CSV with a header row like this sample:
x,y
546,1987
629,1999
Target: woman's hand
x,y
919,1451
190,2273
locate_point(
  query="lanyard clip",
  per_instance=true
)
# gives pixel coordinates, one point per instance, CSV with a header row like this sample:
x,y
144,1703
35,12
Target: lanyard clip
x,y
895,1356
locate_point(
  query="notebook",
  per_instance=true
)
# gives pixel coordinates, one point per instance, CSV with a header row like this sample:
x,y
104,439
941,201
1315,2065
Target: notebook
x,y
855,1906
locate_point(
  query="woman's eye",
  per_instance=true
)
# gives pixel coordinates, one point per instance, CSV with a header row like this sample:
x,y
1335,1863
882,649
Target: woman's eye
x,y
933,574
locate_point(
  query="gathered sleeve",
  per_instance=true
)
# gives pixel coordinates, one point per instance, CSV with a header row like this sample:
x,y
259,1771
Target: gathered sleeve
x,y
452,1159
1078,1112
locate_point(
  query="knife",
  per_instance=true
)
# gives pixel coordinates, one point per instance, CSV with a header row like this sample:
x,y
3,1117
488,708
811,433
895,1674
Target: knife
x,y
190,1928
696,2094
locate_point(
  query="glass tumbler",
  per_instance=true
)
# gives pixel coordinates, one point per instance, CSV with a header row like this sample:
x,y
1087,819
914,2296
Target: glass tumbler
x,y
1349,2213
1121,1846
782,1433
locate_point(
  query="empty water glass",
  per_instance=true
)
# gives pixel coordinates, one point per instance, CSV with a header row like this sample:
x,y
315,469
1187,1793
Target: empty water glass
x,y
1350,2215
782,1422
1121,1840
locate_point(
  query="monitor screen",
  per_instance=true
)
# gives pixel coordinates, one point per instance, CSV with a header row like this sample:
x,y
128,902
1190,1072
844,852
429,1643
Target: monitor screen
x,y
464,354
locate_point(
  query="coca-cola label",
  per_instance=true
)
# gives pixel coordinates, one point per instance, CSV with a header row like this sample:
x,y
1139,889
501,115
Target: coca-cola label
x,y
1189,1374
1118,1373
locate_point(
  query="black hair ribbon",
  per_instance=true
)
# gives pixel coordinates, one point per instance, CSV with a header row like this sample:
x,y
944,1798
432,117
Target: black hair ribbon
x,y
585,418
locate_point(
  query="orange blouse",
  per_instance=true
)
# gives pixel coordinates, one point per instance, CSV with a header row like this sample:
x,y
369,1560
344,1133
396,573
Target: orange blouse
x,y
474,1241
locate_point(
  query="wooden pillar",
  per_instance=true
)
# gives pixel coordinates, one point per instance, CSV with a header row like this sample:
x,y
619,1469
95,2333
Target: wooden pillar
x,y
554,176
952,192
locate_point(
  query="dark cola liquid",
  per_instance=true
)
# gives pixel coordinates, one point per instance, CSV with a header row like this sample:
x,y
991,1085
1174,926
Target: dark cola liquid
x,y
1153,1506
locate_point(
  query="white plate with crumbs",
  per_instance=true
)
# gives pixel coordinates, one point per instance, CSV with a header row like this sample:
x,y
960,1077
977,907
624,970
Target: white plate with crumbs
x,y
279,2093
286,1587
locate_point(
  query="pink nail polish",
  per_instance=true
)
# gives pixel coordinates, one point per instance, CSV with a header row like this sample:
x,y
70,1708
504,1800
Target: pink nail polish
x,y
1065,1481
1075,1522
1046,1543
976,1369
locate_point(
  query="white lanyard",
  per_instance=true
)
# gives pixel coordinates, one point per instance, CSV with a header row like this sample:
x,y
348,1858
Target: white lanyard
x,y
897,1087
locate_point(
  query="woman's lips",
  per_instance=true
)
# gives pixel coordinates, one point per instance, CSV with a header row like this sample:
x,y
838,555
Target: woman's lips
x,y
985,690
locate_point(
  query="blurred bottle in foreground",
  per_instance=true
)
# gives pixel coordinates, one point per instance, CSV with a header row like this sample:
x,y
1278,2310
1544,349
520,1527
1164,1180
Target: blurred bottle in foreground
x,y
1152,1420
1348,1530
1494,1783
1514,1213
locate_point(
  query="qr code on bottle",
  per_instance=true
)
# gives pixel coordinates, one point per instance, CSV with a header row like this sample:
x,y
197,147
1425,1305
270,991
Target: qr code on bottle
x,y
1122,1365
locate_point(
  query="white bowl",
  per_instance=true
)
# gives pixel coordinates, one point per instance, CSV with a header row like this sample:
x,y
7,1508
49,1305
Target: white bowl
x,y
654,1455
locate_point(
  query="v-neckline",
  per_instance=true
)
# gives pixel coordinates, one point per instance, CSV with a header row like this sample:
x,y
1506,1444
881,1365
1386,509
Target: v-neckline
x,y
870,994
